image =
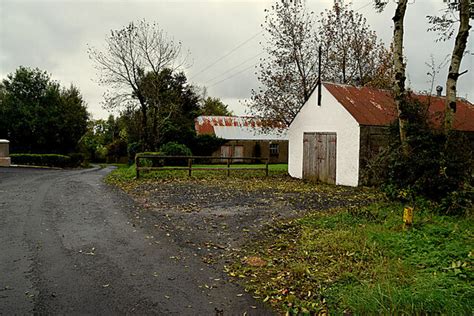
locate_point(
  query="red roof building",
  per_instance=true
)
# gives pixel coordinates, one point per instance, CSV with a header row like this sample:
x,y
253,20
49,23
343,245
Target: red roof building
x,y
375,107
333,142
246,137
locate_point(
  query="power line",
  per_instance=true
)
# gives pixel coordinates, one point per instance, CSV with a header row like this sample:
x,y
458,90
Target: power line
x,y
226,55
237,47
365,5
237,73
230,69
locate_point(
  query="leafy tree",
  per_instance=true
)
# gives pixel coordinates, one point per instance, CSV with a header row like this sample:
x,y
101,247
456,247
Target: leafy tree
x,y
214,106
289,72
38,115
351,51
351,54
175,106
74,117
131,65
103,139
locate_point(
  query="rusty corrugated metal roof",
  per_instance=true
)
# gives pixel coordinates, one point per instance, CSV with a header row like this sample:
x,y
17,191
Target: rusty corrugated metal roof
x,y
370,106
238,128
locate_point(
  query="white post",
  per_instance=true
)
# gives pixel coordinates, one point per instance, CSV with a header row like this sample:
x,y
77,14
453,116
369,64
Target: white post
x,y
4,153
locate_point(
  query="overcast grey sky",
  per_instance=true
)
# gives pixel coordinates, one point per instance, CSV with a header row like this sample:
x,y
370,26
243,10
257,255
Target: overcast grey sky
x,y
53,35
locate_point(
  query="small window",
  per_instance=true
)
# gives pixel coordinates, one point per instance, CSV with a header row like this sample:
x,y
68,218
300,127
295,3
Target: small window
x,y
274,150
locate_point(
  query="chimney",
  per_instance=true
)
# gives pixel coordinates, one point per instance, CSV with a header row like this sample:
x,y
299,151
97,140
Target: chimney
x,y
439,89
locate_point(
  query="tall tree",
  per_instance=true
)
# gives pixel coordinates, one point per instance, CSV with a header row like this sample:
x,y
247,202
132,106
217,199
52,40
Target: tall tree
x,y
74,117
37,115
398,87
130,54
289,72
456,11
214,106
352,53
399,91
173,106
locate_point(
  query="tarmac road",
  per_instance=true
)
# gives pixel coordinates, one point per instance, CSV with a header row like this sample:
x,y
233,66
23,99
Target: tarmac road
x,y
67,246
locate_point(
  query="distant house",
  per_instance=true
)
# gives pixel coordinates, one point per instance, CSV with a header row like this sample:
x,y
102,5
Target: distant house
x,y
245,137
333,142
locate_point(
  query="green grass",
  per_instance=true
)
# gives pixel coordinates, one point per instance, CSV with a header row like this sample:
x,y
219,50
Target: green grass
x,y
126,173
362,261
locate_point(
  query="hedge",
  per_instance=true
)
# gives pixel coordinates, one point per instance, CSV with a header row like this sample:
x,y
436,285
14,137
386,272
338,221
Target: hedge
x,y
49,160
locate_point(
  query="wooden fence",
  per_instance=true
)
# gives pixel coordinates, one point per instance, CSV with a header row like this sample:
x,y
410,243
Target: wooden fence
x,y
191,159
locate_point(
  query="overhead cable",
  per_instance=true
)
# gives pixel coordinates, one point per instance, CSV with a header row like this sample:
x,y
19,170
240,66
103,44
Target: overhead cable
x,y
226,55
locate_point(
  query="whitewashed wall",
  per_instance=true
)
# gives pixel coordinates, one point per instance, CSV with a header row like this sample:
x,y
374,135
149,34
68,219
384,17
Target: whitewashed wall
x,y
331,116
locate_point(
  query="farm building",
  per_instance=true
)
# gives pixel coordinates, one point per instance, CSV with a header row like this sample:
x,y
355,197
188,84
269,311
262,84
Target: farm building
x,y
332,142
246,137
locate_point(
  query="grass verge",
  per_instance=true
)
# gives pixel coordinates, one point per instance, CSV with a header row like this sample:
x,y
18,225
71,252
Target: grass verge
x,y
278,181
361,261
127,173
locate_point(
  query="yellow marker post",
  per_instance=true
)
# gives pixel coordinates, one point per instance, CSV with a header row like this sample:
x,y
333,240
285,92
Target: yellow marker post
x,y
407,217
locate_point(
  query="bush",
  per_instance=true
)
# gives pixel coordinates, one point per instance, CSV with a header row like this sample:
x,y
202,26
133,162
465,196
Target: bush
x,y
76,159
152,162
175,149
438,166
132,150
116,150
49,160
205,145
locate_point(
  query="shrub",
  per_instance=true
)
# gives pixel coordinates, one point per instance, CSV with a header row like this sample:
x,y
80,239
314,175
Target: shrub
x,y
175,149
205,145
49,160
116,150
152,162
132,150
438,166
76,159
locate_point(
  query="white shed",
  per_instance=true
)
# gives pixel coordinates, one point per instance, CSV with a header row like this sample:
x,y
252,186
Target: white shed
x,y
333,141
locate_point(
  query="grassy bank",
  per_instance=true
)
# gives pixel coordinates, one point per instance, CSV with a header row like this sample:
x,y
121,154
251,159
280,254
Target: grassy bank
x,y
361,261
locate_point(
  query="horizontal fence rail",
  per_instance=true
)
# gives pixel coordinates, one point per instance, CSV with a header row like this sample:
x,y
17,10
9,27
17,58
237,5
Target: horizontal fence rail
x,y
191,159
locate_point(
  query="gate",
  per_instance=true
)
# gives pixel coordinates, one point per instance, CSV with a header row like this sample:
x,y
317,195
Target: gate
x,y
319,157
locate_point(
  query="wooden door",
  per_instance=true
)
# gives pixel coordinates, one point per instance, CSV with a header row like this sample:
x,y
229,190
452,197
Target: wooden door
x,y
238,152
226,151
319,157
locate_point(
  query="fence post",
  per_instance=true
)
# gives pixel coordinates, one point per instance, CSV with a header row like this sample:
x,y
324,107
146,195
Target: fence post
x,y
266,168
228,167
190,166
137,165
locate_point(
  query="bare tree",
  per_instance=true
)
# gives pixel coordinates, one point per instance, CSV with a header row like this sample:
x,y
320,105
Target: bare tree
x,y
444,25
130,54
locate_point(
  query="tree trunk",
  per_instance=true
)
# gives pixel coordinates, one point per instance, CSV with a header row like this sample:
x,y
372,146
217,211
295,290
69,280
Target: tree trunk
x,y
399,91
456,58
144,109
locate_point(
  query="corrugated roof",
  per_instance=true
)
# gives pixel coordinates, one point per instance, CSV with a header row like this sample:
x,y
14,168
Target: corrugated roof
x,y
238,128
370,106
